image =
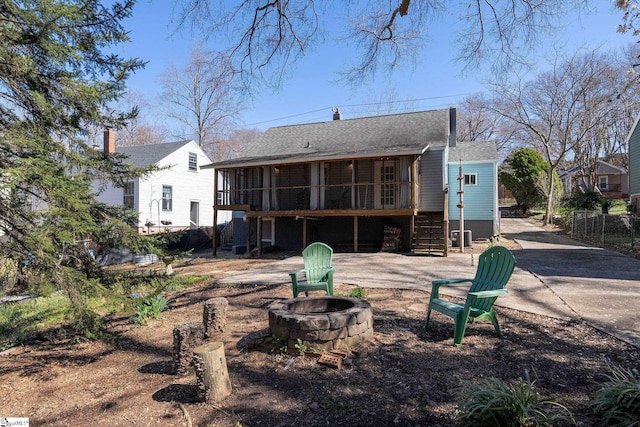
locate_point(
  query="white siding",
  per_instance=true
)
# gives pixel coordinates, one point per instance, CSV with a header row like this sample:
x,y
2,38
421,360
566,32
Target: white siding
x,y
187,186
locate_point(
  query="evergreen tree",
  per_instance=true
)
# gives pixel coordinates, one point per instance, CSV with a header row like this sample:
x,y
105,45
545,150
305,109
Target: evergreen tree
x,y
57,76
520,174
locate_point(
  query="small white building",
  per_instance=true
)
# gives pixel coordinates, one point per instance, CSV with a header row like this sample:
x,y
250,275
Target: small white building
x,y
178,197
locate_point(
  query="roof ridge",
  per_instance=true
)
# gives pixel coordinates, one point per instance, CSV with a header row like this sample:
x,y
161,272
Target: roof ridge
x,y
377,116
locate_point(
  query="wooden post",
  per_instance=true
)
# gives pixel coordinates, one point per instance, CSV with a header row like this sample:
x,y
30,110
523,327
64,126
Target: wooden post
x,y
248,235
446,220
214,317
355,234
259,234
415,191
212,377
304,232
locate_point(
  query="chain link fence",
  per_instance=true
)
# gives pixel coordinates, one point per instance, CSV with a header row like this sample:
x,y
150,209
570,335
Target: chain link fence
x,y
617,232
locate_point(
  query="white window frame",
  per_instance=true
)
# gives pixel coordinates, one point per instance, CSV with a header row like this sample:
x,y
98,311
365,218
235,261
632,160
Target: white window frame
x,y
167,202
193,162
128,195
385,191
606,182
471,179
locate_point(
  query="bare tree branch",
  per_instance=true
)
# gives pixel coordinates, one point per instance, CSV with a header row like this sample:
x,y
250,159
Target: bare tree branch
x,y
204,96
266,37
565,112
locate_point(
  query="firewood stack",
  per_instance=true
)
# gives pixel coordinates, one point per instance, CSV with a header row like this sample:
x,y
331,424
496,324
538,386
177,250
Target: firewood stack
x,y
391,242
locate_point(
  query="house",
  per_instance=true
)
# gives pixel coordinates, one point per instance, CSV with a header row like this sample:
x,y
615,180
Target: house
x,y
633,145
611,180
475,164
177,197
348,182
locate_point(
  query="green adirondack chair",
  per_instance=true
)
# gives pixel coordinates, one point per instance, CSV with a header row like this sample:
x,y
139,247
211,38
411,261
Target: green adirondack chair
x,y
495,266
317,270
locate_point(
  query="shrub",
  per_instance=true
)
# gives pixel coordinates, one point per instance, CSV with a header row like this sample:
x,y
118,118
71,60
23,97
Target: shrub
x,y
617,401
497,404
588,200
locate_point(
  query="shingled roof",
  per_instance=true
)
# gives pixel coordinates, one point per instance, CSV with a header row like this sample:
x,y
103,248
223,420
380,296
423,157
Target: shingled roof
x,y
475,151
146,155
395,134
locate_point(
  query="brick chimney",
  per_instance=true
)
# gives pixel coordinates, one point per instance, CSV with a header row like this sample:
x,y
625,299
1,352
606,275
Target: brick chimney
x,y
336,114
109,141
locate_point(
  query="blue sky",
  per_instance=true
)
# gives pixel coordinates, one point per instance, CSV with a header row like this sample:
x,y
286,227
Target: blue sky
x,y
311,91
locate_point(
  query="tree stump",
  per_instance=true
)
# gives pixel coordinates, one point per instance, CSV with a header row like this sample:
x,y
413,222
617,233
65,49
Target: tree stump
x,y
214,317
168,260
212,377
185,337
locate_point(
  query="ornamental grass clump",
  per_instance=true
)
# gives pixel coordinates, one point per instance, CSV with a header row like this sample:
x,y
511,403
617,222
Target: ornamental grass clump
x,y
150,307
617,402
498,404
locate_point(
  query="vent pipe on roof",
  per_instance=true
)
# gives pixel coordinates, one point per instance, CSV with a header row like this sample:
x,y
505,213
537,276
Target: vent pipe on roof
x,y
336,114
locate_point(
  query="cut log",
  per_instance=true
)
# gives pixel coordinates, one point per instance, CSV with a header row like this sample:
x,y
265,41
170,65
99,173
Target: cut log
x,y
185,338
214,317
212,377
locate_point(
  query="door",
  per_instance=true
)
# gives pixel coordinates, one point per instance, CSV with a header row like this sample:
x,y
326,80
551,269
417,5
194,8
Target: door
x,y
194,215
268,231
385,185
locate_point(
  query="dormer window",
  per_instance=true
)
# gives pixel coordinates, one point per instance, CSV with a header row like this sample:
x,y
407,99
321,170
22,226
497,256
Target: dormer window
x,y
193,162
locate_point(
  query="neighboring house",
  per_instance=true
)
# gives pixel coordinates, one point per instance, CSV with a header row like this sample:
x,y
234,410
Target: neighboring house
x,y
476,163
347,182
178,197
633,144
611,180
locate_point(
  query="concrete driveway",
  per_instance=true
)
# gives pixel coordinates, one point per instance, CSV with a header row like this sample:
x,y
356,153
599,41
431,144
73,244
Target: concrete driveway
x,y
555,276
600,286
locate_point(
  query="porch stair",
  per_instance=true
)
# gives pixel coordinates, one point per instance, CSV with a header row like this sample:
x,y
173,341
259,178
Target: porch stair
x,y
430,234
226,237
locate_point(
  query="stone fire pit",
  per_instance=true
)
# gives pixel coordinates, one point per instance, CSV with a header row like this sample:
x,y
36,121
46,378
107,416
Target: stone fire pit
x,y
326,323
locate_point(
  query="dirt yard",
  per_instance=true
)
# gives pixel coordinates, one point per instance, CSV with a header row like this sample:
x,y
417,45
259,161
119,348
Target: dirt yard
x,y
407,376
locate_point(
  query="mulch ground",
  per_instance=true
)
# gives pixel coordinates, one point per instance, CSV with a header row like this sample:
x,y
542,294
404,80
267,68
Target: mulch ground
x,y
406,376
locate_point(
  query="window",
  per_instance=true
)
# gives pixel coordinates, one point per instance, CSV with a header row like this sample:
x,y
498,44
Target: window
x,y
127,199
470,179
603,182
193,162
167,197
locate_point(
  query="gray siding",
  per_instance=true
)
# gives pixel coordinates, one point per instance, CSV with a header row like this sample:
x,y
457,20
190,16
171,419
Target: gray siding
x,y
431,185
